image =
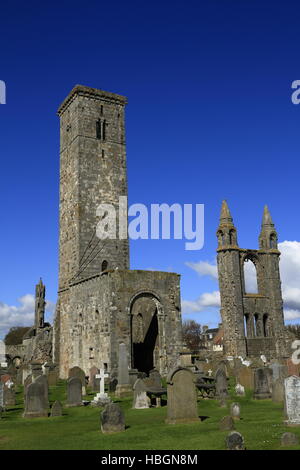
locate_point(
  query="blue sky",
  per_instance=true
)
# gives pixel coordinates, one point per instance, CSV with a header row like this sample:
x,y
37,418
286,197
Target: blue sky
x,y
209,117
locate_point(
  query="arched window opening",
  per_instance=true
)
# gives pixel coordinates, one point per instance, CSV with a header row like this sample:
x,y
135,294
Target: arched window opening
x,y
273,241
250,277
246,325
256,329
104,266
232,237
221,238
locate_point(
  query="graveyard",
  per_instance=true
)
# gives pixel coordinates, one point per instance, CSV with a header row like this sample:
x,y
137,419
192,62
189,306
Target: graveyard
x,y
261,424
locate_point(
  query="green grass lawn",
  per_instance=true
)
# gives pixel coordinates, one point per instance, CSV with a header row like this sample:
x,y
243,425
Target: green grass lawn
x,y
261,425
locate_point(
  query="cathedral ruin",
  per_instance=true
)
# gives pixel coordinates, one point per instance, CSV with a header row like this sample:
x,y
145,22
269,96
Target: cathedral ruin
x,y
253,323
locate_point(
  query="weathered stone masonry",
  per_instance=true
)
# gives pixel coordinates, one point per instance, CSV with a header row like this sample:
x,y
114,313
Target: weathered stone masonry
x,y
253,322
101,303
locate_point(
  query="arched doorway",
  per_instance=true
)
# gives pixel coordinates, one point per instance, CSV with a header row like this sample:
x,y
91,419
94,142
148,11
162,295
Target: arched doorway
x,y
144,333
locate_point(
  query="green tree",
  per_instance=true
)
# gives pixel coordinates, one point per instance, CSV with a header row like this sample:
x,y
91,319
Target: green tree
x,y
191,331
15,335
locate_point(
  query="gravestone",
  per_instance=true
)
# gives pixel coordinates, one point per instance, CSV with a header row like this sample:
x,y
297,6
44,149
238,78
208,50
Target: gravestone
x,y
279,371
239,390
226,424
56,409
113,384
9,395
133,376
182,396
221,384
51,372
235,441
101,398
79,374
292,400
93,382
278,391
74,392
112,419
262,383
42,379
235,411
245,377
124,388
36,370
140,398
289,439
35,404
154,379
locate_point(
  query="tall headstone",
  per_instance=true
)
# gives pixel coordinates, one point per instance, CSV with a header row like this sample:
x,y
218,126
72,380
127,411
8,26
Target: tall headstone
x,y
182,396
93,382
278,391
292,400
112,419
124,388
221,383
262,381
42,379
74,392
80,374
35,404
140,398
36,370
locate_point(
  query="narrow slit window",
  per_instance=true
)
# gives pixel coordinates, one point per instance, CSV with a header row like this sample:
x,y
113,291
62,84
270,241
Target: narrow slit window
x,y
98,129
104,129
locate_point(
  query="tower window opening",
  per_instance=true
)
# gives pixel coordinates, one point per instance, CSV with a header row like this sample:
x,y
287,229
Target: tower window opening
x,y
104,130
250,277
98,129
101,110
104,266
103,155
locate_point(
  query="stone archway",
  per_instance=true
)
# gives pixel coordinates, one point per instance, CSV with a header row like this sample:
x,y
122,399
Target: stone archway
x,y
144,327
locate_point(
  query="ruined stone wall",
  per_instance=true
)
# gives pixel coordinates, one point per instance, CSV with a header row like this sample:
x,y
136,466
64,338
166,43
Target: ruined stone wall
x,y
95,318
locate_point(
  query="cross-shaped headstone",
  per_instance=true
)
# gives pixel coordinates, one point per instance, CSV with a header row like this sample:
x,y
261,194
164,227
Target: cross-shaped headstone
x,y
209,372
102,376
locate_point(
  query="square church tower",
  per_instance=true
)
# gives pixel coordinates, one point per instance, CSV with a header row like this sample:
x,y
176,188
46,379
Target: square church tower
x,y
101,303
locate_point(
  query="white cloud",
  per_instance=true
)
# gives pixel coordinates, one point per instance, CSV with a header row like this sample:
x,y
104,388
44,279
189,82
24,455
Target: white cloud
x,y
205,301
205,268
20,315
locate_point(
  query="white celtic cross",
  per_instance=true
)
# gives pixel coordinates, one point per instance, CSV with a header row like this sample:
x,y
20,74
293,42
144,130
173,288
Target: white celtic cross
x,y
102,376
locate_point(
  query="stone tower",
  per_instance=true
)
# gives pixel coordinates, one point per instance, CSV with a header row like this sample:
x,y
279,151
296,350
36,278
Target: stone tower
x,y
92,172
253,322
101,303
